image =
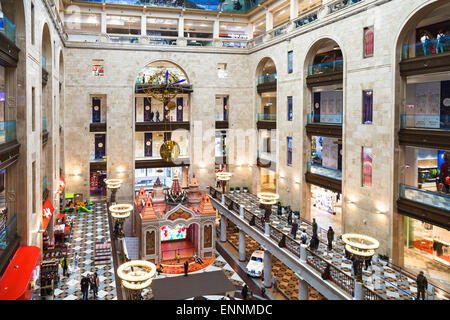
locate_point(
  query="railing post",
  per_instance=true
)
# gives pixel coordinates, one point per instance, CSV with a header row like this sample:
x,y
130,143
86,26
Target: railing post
x,y
303,253
267,268
223,199
223,228
241,211
359,291
302,288
267,229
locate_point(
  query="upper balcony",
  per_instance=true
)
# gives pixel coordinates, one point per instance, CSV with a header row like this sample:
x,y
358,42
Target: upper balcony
x,y
221,120
266,159
428,57
324,177
9,53
429,206
98,123
267,121
44,131
324,125
324,74
9,146
44,71
425,130
267,83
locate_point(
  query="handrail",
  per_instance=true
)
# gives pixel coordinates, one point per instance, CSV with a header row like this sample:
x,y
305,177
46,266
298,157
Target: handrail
x,y
370,294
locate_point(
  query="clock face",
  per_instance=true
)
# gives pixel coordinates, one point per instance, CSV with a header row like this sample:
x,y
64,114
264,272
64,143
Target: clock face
x,y
96,108
147,108
316,105
149,142
100,145
180,107
446,102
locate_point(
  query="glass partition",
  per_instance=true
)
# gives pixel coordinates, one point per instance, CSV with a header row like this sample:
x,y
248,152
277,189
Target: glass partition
x,y
128,25
326,67
85,22
324,171
8,28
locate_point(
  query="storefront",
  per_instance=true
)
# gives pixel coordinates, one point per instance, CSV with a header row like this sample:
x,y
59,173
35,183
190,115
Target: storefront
x,y
97,183
326,208
146,177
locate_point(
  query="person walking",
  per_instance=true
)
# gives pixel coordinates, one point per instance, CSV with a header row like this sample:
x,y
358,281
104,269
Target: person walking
x,y
314,227
422,284
303,237
160,269
289,217
294,228
64,265
244,292
367,263
314,242
85,282
330,237
274,282
186,266
95,283
178,257
424,39
279,209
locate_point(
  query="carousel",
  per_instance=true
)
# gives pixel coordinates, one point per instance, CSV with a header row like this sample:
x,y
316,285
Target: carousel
x,y
175,223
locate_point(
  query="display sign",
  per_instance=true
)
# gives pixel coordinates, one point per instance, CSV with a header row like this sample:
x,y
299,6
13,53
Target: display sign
x,y
168,233
62,184
47,209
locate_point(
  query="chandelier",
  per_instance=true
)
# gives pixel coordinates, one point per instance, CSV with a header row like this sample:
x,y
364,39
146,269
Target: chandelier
x,y
163,86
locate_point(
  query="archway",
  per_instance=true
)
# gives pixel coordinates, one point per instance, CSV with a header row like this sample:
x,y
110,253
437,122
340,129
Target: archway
x,y
158,121
181,239
266,115
323,109
421,100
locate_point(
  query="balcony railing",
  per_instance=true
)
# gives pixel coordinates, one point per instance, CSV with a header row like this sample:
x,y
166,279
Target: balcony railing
x,y
124,38
341,4
8,28
199,42
98,119
324,118
324,171
279,31
326,67
267,78
304,20
429,198
8,234
234,43
7,131
425,121
44,124
428,48
265,155
267,117
220,116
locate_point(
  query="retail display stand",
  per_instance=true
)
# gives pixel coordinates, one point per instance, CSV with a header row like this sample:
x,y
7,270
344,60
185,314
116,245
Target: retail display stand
x,y
102,252
49,277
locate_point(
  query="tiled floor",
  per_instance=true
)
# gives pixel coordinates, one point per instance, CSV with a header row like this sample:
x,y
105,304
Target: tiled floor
x,y
385,281
286,279
87,228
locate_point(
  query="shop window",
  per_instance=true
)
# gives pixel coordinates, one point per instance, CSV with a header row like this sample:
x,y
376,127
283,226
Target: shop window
x,y
367,106
98,68
289,109
368,42
367,166
290,61
289,151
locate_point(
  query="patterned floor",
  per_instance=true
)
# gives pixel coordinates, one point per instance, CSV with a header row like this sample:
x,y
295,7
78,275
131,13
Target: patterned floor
x,y
286,279
385,281
87,228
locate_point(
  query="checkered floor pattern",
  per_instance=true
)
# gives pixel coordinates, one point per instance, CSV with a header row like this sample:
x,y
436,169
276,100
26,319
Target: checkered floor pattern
x,y
385,281
287,281
87,228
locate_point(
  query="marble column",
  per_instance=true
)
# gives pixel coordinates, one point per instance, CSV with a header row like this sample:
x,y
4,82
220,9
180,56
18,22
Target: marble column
x,y
302,288
241,245
269,20
359,292
294,9
223,228
267,269
303,253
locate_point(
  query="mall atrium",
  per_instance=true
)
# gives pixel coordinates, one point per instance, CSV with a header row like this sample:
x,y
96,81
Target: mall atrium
x,y
233,149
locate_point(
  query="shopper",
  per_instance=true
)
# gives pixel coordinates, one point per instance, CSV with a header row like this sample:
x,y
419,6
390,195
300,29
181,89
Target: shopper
x,y
274,282
244,292
186,266
314,227
326,273
367,263
422,284
289,217
314,242
178,257
160,269
440,41
157,116
197,259
294,228
85,282
330,237
424,39
444,177
64,265
279,209
95,283
303,237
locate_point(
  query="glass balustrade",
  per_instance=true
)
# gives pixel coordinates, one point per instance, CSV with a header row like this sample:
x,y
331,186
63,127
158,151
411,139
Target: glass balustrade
x,y
441,122
324,118
220,116
44,124
8,28
267,78
429,198
267,155
8,234
305,19
98,119
7,131
428,48
341,4
326,67
324,171
123,39
267,117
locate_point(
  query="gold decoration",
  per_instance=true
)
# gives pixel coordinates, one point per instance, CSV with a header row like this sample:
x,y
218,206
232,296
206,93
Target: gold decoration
x,y
171,105
160,89
169,151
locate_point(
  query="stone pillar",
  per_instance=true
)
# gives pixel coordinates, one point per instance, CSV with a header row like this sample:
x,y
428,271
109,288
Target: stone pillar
x,y
302,288
241,211
216,29
303,253
269,20
143,24
267,269
103,22
250,31
267,229
241,245
223,228
181,27
223,199
359,292
294,9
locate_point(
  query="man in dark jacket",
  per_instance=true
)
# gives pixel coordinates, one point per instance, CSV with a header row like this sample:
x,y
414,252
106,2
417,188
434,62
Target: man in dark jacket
x,y
422,284
330,237
85,282
244,292
294,228
186,266
289,213
279,209
314,227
